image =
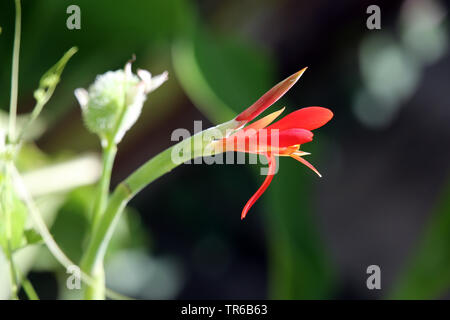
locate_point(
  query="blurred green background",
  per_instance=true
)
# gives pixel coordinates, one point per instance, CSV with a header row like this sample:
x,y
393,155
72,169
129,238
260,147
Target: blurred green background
x,y
384,198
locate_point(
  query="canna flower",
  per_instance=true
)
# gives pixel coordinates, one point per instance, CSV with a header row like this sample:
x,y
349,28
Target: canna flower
x,y
282,138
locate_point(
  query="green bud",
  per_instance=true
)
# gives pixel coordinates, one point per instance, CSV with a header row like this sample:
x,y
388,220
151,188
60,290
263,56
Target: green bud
x,y
50,80
39,94
114,101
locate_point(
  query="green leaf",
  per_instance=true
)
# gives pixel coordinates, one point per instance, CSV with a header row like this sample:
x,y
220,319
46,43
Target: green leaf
x,y
32,237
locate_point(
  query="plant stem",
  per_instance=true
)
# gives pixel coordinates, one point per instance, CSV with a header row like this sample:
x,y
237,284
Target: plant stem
x,y
108,156
51,244
96,291
11,134
150,171
12,268
159,165
29,289
15,74
6,207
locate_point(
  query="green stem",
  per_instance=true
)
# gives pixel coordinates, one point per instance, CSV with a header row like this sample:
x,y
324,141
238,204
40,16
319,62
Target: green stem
x,y
96,291
8,248
150,171
53,247
34,114
195,146
12,268
29,289
15,74
108,156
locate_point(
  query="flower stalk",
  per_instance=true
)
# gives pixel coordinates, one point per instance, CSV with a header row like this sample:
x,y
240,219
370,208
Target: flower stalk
x,y
139,179
108,156
123,193
110,107
11,137
9,256
96,291
15,73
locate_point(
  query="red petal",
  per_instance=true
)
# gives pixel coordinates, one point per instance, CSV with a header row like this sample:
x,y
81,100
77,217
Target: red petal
x,y
307,118
266,183
269,98
287,138
263,140
306,163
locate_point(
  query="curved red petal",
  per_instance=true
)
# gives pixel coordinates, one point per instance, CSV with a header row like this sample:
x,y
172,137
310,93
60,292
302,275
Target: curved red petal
x,y
262,188
287,138
263,140
307,118
306,163
269,98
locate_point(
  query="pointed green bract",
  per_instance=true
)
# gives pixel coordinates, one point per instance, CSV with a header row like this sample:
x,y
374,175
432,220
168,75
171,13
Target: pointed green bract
x,y
47,86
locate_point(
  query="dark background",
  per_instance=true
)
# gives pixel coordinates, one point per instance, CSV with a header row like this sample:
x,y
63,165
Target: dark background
x,y
384,198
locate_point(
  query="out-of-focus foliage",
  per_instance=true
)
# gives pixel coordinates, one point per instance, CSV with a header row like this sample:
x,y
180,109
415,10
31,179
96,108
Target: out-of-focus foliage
x,y
70,229
391,66
221,74
299,267
427,274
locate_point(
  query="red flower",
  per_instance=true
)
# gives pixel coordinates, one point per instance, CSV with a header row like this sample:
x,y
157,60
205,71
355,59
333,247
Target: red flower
x,y
282,138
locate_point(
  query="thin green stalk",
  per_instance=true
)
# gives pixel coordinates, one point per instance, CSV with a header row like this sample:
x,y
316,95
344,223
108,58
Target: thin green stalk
x,y
15,74
108,156
96,291
97,272
8,248
150,171
51,244
198,145
29,289
12,268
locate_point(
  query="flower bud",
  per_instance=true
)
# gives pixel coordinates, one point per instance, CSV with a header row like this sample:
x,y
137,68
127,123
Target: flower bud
x,y
114,101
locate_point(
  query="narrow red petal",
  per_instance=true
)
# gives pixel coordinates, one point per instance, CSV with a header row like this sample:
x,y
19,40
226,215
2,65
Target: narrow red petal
x,y
287,138
307,118
264,140
269,98
263,187
306,163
